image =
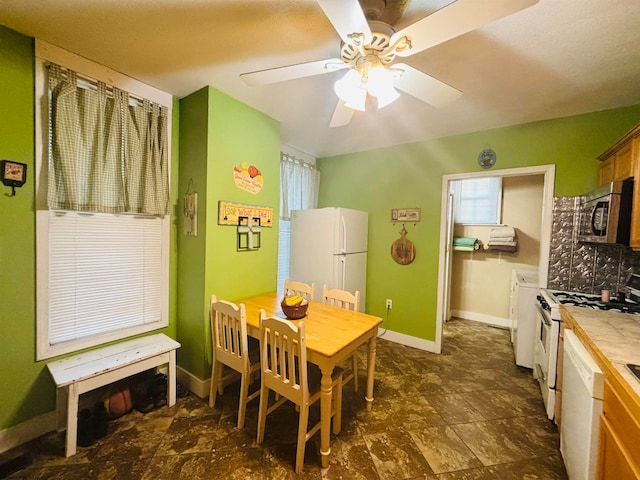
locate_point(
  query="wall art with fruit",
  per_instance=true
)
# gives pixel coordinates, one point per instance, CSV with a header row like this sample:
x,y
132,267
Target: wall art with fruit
x,y
248,178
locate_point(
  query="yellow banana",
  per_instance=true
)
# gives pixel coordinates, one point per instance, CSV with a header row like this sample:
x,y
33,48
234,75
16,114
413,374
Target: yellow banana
x,y
293,300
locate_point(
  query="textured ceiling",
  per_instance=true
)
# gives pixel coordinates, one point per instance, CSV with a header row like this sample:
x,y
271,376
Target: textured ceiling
x,y
554,59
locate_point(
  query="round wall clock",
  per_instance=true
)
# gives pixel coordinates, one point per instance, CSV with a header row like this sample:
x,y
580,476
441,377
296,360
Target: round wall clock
x,y
487,158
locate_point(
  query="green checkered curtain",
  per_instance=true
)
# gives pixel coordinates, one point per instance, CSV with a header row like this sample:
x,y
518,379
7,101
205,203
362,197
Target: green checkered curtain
x,y
146,153
85,163
105,155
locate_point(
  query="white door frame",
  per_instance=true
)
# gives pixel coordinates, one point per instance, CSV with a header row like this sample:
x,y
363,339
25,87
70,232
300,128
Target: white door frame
x,y
549,172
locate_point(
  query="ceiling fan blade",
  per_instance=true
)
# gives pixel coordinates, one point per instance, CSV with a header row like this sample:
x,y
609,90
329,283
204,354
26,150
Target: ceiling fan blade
x,y
341,115
454,20
290,72
425,88
347,17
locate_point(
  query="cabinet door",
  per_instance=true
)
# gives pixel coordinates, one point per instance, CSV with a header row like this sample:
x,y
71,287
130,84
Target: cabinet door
x,y
606,172
634,240
613,460
623,163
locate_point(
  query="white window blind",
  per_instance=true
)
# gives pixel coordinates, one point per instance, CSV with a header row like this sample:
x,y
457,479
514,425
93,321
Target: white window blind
x,y
478,200
105,274
284,250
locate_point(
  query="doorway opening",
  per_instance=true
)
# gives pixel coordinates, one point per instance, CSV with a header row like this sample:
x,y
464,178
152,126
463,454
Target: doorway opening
x,y
446,233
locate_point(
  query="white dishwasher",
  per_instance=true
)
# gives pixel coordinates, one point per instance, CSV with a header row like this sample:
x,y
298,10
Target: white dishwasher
x,y
582,391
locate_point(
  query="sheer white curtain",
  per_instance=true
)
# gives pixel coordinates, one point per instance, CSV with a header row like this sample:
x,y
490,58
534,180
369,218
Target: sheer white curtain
x,y
299,186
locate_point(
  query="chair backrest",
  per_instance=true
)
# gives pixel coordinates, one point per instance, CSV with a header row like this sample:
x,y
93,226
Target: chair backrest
x,y
341,298
229,333
299,288
283,358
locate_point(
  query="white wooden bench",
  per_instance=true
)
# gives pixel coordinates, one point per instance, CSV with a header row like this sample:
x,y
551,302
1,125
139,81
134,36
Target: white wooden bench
x,y
96,368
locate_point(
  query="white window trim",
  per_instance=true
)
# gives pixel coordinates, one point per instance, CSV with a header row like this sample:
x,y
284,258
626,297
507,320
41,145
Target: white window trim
x,y
46,52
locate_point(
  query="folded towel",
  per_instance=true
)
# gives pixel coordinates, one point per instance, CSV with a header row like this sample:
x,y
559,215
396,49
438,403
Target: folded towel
x,y
502,232
502,239
502,248
465,241
466,248
502,243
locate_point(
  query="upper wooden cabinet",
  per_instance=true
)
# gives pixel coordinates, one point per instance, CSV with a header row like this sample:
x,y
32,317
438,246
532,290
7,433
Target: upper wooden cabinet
x,y
620,162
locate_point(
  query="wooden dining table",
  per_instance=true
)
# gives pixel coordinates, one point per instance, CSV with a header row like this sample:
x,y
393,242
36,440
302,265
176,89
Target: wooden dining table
x,y
332,334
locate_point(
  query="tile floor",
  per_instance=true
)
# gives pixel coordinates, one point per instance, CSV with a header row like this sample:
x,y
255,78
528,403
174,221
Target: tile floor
x,y
469,413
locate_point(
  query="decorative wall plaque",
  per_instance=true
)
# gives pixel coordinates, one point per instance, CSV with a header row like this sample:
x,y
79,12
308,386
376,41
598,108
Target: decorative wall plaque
x,y
405,215
229,213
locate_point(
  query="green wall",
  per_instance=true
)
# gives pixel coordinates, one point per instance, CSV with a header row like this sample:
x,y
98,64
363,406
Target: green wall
x,y
217,134
410,175
26,388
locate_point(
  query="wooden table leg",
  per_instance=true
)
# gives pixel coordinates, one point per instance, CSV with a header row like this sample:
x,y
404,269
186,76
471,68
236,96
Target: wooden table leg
x,y
371,366
72,420
325,414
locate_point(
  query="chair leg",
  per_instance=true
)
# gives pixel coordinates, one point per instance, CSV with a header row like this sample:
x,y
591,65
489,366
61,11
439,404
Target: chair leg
x,y
262,412
355,371
337,404
244,393
303,423
216,372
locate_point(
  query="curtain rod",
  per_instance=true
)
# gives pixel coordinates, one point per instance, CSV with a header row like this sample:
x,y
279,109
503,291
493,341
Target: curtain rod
x,y
88,83
290,158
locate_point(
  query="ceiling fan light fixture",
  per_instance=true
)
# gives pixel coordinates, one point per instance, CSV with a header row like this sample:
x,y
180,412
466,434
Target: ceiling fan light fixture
x,y
380,85
351,91
387,96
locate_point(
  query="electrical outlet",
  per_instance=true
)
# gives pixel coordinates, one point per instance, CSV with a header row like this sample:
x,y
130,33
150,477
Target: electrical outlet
x,y
389,303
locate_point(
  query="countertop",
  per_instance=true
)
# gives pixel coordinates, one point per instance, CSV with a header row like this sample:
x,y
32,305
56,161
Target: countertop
x,y
614,338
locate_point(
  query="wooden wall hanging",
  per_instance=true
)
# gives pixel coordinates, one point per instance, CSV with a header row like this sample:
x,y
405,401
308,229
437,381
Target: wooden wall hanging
x,y
229,213
403,251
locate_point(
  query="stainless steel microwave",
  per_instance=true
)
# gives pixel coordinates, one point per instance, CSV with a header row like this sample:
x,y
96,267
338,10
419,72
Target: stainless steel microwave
x,y
605,214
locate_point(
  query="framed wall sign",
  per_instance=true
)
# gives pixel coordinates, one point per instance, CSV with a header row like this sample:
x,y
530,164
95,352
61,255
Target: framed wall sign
x,y
405,215
13,174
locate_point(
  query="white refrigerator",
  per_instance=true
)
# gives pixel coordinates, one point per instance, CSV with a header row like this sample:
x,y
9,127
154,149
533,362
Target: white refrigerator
x,y
329,246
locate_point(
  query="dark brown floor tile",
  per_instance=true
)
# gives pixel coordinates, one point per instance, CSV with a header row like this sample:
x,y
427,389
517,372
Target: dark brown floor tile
x,y
453,408
395,457
443,449
495,441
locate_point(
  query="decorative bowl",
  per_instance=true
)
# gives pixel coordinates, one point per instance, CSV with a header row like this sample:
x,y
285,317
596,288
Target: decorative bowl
x,y
295,312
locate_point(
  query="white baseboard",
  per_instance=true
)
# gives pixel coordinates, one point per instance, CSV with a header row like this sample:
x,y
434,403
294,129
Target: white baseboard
x,y
408,340
481,317
27,431
199,387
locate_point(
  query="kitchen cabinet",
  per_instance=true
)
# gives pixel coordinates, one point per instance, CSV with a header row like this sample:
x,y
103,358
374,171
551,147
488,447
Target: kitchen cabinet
x,y
617,163
619,435
622,161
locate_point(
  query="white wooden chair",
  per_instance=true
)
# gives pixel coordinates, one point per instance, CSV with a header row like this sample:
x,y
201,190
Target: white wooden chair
x,y
285,371
349,301
299,288
231,347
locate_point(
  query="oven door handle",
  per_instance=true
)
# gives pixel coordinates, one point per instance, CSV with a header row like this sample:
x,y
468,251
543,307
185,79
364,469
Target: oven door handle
x,y
543,314
540,373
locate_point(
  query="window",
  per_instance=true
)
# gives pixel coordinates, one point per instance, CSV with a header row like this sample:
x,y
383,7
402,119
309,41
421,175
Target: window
x,y
299,184
477,200
103,247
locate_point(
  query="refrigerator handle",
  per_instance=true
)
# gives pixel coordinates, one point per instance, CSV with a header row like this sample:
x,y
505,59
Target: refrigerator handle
x,y
343,247
343,272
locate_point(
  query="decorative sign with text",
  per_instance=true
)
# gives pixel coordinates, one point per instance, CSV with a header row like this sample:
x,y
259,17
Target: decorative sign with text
x,y
248,178
229,213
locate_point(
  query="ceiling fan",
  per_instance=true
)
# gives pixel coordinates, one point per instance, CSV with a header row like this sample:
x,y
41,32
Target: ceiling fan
x,y
369,49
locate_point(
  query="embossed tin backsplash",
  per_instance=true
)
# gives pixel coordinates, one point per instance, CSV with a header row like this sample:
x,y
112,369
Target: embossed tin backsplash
x,y
584,267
